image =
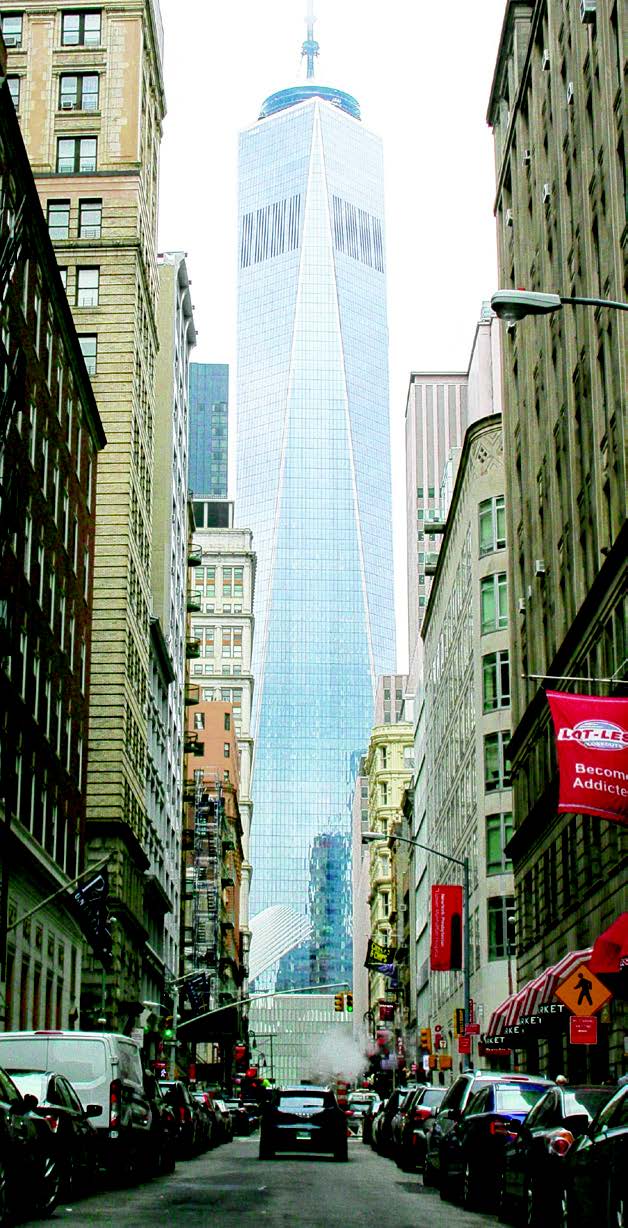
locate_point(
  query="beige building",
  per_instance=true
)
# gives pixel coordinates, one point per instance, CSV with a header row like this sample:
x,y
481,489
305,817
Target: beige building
x,y
91,105
557,109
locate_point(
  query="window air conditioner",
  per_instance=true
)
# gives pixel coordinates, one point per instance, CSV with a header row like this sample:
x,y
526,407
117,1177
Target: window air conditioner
x,y
508,217
569,93
522,605
527,157
67,104
12,40
588,11
545,62
539,567
547,193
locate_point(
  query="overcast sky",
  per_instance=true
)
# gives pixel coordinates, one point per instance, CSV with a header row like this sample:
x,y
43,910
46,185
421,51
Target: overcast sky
x,y
422,72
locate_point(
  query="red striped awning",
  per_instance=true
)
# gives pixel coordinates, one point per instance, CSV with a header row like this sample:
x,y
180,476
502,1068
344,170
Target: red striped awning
x,y
535,994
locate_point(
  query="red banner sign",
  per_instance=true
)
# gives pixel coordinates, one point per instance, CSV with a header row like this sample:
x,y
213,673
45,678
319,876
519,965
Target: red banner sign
x,y
464,1044
446,938
592,751
583,1030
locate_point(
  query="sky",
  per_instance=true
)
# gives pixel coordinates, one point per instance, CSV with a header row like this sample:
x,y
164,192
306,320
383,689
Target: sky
x,y
422,73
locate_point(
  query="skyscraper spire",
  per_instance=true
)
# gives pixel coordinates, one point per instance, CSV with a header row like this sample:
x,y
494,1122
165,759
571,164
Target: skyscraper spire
x,y
310,47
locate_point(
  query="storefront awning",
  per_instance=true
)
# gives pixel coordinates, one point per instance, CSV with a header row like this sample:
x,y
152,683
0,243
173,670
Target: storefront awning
x,y
610,950
535,997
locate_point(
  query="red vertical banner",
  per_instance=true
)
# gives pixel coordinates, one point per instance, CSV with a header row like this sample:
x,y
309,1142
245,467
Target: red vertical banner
x,y
446,936
592,752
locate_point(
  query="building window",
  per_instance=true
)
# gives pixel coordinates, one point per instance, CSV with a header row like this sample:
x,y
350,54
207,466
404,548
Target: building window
x,y
496,680
63,274
80,29
87,283
227,722
88,343
14,90
494,602
492,525
498,833
501,916
11,26
496,771
384,756
225,749
383,793
76,155
78,92
90,219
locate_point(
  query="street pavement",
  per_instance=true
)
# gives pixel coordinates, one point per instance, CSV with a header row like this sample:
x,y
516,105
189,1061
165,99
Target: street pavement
x,y
231,1188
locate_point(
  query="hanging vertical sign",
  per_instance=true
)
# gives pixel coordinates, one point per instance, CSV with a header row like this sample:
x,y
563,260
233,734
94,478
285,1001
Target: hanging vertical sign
x,y
446,936
592,751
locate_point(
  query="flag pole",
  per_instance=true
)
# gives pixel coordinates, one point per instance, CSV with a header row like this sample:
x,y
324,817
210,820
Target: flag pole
x,y
97,865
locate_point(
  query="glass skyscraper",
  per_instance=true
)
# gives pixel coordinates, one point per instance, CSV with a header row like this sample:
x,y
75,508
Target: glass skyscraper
x,y
208,429
314,486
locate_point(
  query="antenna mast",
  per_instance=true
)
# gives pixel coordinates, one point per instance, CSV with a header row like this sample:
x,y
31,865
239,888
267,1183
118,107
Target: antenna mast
x,y
310,47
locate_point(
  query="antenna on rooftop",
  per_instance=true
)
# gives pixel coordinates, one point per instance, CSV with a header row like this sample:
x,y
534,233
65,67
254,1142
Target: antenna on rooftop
x,y
310,47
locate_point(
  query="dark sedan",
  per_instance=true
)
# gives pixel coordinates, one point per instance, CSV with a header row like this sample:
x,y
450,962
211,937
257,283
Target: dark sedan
x,y
193,1133
75,1137
532,1178
306,1118
409,1141
164,1127
29,1170
596,1171
473,1151
382,1125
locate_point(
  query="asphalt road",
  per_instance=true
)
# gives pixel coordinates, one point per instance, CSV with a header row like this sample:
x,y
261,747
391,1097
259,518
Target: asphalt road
x,y
231,1188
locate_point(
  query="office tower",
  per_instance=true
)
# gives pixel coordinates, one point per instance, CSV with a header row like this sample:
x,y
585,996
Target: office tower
x,y
313,486
209,429
91,107
560,151
50,440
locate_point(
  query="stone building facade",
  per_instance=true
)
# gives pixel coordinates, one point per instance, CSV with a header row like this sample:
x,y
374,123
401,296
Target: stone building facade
x,y
557,109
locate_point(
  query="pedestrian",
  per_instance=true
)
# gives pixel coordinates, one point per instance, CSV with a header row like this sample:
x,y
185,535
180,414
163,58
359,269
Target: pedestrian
x,y
561,1079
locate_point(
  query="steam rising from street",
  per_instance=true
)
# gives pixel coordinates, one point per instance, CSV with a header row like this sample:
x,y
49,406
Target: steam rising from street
x,y
336,1056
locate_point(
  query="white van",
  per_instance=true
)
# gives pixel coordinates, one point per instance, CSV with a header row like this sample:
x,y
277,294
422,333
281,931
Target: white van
x,y
106,1069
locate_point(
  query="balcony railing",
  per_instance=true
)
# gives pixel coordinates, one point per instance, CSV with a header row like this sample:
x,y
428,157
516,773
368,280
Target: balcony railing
x,y
192,694
195,556
193,602
431,563
192,649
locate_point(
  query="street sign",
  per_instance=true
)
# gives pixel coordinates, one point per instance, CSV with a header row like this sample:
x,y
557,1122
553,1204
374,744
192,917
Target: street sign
x,y
472,1029
583,1030
583,992
464,1044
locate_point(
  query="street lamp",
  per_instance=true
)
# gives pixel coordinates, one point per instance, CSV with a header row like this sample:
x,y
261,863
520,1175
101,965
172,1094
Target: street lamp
x,y
369,836
513,305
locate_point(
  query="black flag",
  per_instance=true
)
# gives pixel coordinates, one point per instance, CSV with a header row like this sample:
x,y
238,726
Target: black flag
x,y
91,902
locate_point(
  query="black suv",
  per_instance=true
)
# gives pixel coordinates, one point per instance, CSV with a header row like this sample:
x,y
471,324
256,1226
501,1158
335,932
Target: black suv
x,y
29,1162
451,1109
305,1118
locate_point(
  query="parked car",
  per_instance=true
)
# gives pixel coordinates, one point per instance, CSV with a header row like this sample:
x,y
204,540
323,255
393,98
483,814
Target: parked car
x,y
30,1177
305,1118
368,1120
451,1109
399,1118
164,1127
359,1103
104,1068
596,1170
76,1140
253,1111
240,1119
224,1122
472,1152
382,1125
409,1149
211,1124
194,1130
533,1173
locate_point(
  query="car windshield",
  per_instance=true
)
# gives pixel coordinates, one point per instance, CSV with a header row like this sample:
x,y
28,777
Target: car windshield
x,y
305,1102
29,1083
518,1099
431,1097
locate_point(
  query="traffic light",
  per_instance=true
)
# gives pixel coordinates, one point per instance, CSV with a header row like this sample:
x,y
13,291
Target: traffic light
x,y
168,1030
339,1002
459,1021
349,1003
425,1040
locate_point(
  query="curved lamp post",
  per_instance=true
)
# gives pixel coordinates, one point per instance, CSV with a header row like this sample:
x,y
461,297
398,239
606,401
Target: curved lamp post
x,y
369,836
513,305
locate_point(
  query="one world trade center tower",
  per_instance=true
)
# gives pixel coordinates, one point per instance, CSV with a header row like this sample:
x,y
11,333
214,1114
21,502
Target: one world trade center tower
x,y
313,483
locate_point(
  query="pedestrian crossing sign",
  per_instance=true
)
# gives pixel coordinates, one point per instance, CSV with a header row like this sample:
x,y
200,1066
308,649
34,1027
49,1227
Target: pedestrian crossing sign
x,y
583,992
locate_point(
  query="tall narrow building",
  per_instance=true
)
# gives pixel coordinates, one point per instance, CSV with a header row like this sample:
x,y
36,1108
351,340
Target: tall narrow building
x,y
209,429
314,487
91,104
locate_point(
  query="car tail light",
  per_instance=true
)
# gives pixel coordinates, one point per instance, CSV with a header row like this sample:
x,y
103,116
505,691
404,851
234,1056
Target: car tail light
x,y
349,1113
559,1143
53,1121
115,1089
422,1114
500,1129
